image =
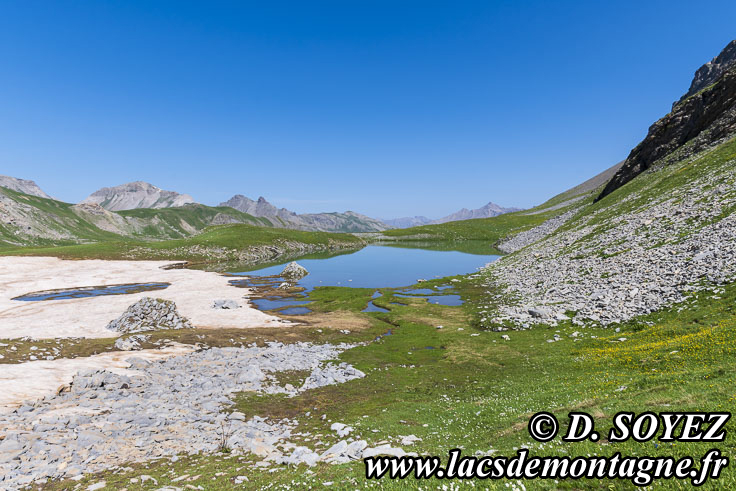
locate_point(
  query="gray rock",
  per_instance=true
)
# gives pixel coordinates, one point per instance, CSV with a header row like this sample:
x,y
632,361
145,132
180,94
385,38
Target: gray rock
x,y
150,314
336,453
341,429
131,343
540,313
355,449
294,271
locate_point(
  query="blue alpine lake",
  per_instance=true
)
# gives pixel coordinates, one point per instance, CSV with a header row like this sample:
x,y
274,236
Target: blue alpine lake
x,y
381,267
375,267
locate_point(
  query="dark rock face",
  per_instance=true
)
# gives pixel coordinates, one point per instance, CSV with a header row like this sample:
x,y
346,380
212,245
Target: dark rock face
x,y
712,71
699,120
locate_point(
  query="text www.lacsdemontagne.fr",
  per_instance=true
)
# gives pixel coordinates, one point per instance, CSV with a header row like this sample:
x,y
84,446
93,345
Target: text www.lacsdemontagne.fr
x,y
640,470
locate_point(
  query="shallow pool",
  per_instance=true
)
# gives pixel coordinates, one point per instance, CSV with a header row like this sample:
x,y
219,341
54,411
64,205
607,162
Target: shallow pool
x,y
91,291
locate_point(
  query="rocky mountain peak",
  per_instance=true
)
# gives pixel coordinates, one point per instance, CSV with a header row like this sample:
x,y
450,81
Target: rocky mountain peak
x,y
712,71
703,117
328,222
138,194
22,186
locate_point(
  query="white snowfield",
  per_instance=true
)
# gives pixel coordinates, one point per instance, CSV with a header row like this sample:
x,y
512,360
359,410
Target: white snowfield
x,y
22,382
193,291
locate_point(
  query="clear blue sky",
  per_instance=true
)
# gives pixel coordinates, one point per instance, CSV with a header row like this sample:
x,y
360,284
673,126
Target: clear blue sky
x,y
387,108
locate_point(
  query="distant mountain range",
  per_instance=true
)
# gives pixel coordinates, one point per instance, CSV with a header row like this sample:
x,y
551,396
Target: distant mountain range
x,y
487,211
406,222
348,221
137,195
121,210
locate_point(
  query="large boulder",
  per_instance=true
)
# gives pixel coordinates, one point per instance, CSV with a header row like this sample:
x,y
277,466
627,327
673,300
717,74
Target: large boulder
x,y
131,343
150,314
331,374
294,271
540,313
92,378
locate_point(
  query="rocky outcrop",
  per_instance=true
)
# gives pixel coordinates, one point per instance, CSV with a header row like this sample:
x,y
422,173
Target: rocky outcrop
x,y
348,221
150,314
22,186
131,343
137,194
702,118
294,271
712,71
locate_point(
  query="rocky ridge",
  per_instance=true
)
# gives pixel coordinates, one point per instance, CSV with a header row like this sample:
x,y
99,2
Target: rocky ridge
x,y
27,222
348,221
487,211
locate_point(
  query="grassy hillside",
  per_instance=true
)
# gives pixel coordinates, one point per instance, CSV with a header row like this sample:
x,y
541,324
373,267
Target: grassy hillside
x,y
489,230
181,221
52,222
37,226
222,242
713,167
33,221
